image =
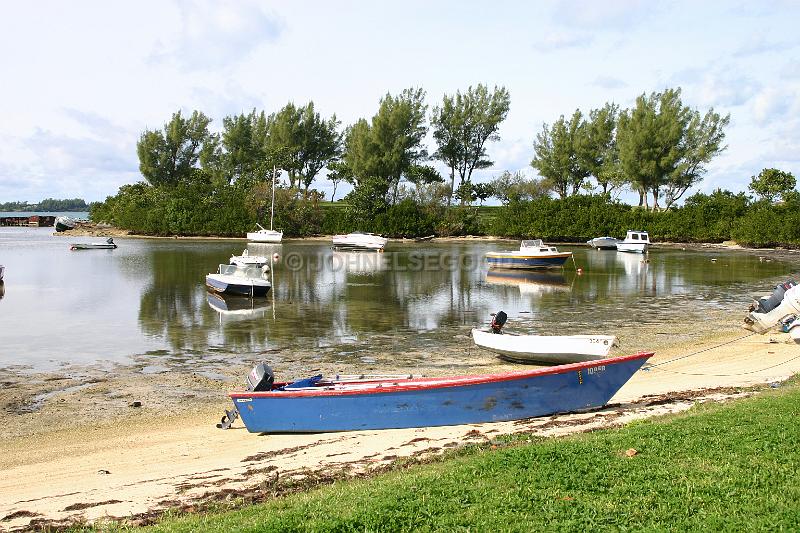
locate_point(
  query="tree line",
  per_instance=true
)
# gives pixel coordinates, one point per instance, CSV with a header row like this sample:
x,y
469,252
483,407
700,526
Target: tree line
x,y
48,204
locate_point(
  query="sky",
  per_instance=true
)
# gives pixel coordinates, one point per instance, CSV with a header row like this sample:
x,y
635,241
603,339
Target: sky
x,y
81,81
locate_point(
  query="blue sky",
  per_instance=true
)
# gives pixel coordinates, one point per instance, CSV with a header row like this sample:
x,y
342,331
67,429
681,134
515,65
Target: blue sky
x,y
83,80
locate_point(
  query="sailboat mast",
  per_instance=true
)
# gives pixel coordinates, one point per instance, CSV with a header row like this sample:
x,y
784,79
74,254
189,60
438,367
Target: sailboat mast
x,y
272,210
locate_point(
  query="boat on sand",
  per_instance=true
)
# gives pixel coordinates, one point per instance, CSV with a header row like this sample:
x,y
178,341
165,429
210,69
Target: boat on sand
x,y
316,404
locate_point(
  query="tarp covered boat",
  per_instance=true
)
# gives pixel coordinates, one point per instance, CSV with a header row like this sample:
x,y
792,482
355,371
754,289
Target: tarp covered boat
x,y
317,405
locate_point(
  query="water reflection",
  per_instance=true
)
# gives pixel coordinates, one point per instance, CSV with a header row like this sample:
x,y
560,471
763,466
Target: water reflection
x,y
149,297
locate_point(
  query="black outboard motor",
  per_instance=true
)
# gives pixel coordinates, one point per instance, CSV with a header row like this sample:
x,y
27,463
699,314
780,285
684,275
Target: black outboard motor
x,y
765,305
498,321
260,378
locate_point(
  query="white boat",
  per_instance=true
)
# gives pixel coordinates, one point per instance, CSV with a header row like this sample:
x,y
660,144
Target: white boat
x,y
243,281
108,245
547,349
65,223
263,234
359,241
531,254
635,241
249,260
603,243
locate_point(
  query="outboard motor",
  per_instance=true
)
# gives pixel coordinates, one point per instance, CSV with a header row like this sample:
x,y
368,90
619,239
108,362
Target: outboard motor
x,y
260,378
498,321
767,304
761,321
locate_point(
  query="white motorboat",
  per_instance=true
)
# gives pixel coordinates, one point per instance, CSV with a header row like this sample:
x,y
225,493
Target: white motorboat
x,y
603,243
635,241
249,260
547,349
531,254
359,241
108,245
263,234
239,280
65,223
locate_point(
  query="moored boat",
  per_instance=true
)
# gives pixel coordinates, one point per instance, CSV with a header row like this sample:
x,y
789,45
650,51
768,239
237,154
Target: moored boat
x,y
603,243
531,254
239,280
359,241
265,235
249,260
635,241
315,404
108,245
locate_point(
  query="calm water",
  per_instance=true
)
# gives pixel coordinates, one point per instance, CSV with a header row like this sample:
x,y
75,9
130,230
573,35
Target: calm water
x,y
147,299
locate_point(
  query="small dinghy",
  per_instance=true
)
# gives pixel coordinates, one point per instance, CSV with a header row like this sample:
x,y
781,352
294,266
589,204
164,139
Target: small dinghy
x,y
108,245
353,403
542,349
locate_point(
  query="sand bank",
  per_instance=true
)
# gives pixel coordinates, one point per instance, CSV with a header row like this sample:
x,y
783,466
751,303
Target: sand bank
x,y
136,462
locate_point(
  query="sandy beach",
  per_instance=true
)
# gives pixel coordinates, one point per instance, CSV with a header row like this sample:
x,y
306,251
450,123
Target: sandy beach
x,y
86,453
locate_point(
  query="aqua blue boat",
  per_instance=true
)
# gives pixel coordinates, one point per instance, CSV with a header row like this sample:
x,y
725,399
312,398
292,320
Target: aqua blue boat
x,y
315,404
532,254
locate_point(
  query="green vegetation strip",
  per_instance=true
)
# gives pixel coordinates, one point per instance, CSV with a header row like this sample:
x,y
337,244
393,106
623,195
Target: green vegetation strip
x,y
716,468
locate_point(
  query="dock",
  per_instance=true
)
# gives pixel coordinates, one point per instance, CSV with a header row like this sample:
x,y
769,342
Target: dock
x,y
34,220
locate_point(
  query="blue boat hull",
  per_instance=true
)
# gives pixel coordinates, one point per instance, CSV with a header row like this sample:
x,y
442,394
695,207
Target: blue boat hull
x,y
526,262
499,397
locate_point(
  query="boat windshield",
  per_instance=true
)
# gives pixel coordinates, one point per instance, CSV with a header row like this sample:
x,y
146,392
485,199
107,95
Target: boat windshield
x,y
240,271
532,243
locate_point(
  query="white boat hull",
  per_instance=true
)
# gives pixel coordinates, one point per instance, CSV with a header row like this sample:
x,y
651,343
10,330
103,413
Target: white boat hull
x,y
265,235
547,349
603,243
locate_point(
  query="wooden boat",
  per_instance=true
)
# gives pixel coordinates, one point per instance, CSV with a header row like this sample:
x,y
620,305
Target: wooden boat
x,y
603,243
546,349
531,254
108,245
635,241
249,260
317,405
238,280
359,241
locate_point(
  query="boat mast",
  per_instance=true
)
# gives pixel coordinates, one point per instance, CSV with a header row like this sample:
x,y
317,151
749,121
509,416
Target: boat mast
x,y
272,210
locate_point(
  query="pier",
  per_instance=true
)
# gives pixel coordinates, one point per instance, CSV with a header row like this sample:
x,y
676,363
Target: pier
x,y
34,220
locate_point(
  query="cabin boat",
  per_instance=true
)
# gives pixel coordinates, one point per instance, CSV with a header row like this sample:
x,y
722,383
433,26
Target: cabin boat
x,y
545,349
635,241
603,243
265,235
315,404
108,245
249,260
359,241
239,280
531,254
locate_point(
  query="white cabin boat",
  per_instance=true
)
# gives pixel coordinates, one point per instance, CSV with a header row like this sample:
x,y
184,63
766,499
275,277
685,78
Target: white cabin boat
x,y
359,241
265,235
603,243
237,280
249,260
635,241
545,349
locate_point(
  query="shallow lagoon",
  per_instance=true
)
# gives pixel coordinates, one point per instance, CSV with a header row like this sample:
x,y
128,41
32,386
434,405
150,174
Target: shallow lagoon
x,y
146,301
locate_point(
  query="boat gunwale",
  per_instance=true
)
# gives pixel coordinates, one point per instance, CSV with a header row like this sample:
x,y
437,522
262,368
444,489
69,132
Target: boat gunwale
x,y
431,383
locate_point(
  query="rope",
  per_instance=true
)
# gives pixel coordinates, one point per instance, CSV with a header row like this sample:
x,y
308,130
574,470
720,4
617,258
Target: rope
x,y
700,351
727,375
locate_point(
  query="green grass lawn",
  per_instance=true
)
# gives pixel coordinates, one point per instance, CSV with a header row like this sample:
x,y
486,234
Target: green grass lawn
x,y
730,467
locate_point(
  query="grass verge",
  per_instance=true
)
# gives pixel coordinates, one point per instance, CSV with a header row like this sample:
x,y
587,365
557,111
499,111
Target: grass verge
x,y
718,467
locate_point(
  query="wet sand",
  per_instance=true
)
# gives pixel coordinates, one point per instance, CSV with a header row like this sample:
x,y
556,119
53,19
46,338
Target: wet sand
x,y
88,444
